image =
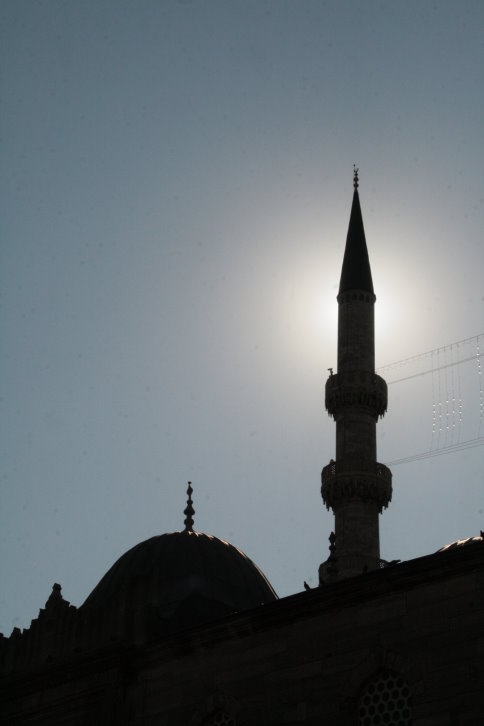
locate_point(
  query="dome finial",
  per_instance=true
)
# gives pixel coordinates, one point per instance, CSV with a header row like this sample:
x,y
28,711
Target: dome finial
x,y
189,511
355,177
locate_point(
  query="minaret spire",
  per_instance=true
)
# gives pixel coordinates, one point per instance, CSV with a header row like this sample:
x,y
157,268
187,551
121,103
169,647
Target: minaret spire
x,y
355,486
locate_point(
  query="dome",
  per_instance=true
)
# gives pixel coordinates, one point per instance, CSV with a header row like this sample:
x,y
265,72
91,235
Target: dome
x,y
462,543
175,581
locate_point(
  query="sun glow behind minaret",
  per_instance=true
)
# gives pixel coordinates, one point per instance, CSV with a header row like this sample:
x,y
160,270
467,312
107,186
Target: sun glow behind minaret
x,y
386,314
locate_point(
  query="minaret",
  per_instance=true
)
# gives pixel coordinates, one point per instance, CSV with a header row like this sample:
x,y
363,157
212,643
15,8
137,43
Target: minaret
x,y
355,486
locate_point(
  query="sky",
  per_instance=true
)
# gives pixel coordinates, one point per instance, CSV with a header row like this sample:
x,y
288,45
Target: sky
x,y
175,190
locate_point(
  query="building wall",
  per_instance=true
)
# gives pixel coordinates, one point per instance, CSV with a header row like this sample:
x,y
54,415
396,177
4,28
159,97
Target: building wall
x,y
304,659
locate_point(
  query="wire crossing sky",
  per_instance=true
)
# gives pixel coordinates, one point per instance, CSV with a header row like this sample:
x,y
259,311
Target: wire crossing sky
x,y
475,340
175,190
449,398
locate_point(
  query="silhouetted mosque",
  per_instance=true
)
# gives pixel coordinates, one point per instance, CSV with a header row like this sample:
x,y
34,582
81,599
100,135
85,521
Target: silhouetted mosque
x,y
185,630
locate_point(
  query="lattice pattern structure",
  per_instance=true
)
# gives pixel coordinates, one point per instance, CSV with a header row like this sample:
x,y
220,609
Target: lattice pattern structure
x,y
385,701
220,719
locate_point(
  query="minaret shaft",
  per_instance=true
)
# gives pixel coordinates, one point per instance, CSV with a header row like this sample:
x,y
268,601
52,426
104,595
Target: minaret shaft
x,y
355,436
355,425
357,536
355,486
356,332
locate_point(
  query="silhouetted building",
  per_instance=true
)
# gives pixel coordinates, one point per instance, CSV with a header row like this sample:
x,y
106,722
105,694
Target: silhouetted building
x,y
184,629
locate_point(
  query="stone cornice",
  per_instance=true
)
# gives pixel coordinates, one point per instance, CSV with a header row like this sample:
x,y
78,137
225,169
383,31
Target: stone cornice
x,y
350,296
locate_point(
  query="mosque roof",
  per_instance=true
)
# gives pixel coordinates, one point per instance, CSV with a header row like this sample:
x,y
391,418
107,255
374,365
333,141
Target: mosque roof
x,y
180,580
458,543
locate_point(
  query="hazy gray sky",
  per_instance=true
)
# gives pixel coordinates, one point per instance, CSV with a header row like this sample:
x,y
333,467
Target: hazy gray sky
x,y
175,193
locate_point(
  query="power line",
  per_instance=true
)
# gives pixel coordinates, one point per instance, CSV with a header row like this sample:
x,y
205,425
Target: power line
x,y
447,448
430,352
470,444
432,370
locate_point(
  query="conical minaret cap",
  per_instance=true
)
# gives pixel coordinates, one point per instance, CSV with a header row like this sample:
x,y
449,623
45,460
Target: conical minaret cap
x,y
356,271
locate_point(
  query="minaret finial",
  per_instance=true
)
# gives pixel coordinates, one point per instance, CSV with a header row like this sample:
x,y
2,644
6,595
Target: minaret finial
x,y
355,177
189,511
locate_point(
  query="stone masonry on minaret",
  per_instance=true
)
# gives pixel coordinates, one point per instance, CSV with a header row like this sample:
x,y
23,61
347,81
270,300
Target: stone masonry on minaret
x,y
355,485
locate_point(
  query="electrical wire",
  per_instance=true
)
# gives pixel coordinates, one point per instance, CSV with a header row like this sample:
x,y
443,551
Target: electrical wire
x,y
470,444
429,352
431,370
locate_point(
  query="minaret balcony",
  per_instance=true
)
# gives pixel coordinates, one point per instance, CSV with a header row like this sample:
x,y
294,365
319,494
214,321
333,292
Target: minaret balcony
x,y
361,389
351,479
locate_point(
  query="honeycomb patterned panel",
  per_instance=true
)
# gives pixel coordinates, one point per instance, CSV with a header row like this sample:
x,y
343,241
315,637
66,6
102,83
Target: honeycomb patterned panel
x,y
385,701
220,719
